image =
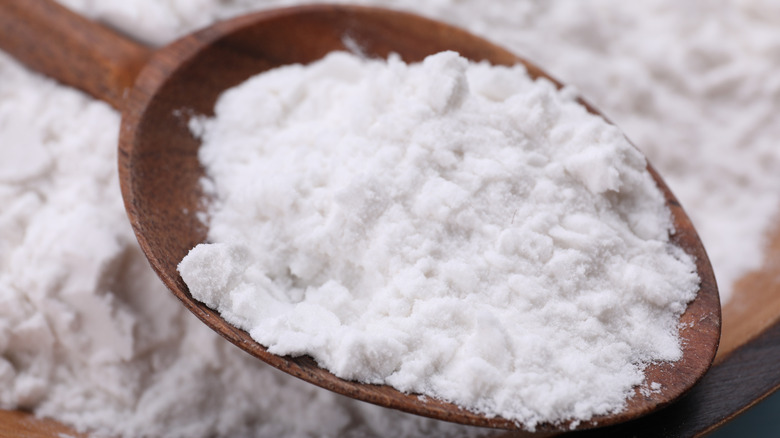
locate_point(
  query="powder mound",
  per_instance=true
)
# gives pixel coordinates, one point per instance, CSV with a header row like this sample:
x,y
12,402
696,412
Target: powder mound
x,y
448,228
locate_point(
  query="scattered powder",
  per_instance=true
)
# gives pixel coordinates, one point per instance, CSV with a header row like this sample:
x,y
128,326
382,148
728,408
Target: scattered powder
x,y
448,228
88,335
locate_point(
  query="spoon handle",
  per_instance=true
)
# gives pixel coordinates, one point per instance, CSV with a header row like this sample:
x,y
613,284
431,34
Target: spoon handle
x,y
52,40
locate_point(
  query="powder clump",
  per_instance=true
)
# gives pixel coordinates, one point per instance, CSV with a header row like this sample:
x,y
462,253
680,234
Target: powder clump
x,y
449,228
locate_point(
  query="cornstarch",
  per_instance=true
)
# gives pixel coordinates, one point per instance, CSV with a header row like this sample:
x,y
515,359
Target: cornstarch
x,y
448,228
89,336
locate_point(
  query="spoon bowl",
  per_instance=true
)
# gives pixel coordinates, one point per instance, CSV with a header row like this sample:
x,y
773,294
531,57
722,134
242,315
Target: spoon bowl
x,y
160,173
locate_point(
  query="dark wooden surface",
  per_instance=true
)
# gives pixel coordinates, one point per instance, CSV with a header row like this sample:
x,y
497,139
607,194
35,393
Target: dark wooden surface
x,y
233,46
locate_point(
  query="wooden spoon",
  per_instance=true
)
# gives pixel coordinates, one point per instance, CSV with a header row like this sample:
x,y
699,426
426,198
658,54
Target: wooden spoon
x,y
159,170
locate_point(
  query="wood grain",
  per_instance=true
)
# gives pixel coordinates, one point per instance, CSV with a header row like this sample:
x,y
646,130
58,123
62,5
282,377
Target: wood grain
x,y
50,39
755,305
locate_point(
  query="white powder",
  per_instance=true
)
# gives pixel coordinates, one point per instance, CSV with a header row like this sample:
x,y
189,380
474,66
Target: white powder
x,y
88,335
693,84
448,228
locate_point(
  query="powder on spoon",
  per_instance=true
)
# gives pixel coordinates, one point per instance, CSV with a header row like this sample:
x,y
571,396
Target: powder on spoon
x,y
448,228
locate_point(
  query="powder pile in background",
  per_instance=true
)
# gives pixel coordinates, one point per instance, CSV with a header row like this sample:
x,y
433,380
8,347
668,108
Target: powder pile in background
x,y
452,229
89,336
